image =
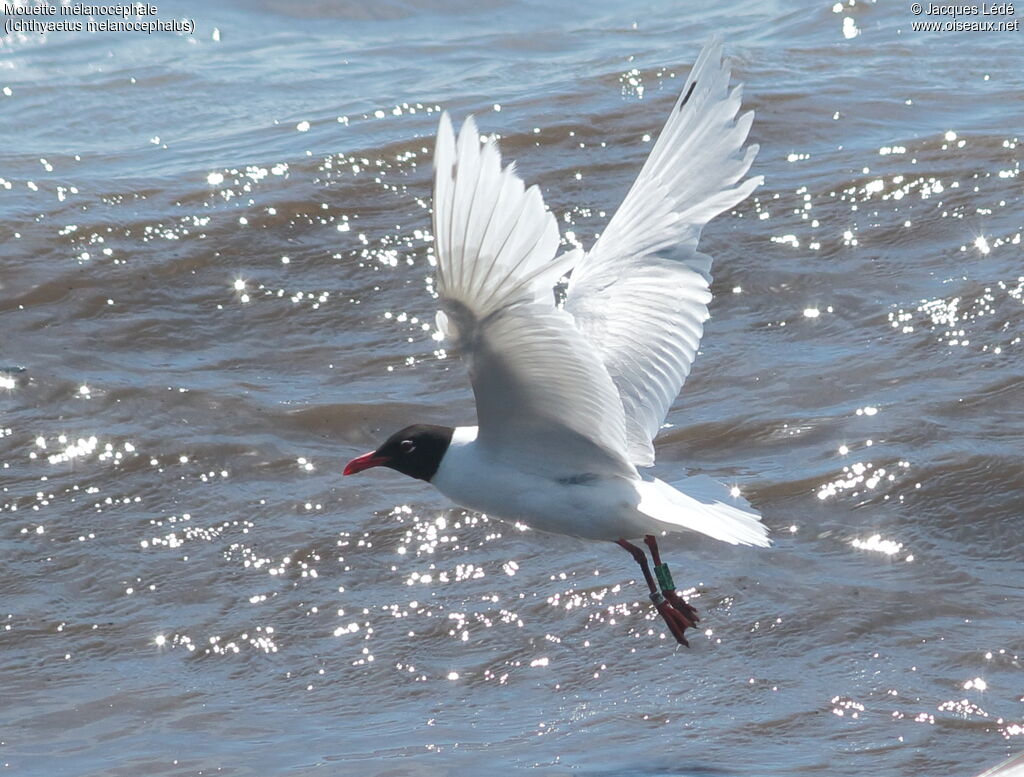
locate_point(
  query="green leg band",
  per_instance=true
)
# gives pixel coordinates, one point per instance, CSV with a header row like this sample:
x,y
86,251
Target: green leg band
x,y
664,577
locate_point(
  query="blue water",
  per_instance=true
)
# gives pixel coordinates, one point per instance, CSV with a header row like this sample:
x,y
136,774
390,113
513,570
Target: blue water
x,y
189,586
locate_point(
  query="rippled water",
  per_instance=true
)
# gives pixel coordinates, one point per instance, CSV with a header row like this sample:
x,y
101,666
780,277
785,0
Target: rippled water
x,y
214,278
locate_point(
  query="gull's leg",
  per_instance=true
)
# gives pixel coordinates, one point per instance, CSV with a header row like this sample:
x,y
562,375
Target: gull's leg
x,y
668,587
674,619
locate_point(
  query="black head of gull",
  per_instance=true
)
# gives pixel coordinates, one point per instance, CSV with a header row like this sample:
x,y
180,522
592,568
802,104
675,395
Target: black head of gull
x,y
415,451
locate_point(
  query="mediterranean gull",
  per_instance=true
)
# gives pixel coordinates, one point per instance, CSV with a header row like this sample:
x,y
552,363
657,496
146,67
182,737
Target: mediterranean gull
x,y
570,397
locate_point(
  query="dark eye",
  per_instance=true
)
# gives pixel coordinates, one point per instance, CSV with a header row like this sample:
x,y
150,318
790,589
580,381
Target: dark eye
x,y
407,446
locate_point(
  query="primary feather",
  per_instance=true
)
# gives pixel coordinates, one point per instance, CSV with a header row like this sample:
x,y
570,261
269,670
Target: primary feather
x,y
538,382
641,294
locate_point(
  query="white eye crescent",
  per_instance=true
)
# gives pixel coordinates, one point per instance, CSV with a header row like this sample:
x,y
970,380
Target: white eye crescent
x,y
407,446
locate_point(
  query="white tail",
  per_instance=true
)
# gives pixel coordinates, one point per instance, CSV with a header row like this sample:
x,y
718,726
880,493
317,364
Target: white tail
x,y
703,505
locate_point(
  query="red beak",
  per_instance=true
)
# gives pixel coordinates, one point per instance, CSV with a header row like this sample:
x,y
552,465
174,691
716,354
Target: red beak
x,y
365,461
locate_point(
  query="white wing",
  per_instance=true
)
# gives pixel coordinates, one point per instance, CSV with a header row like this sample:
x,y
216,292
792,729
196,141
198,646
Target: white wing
x,y
539,384
641,294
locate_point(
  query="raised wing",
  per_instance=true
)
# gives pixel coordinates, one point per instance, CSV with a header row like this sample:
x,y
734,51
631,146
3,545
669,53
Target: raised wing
x,y
641,294
539,384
